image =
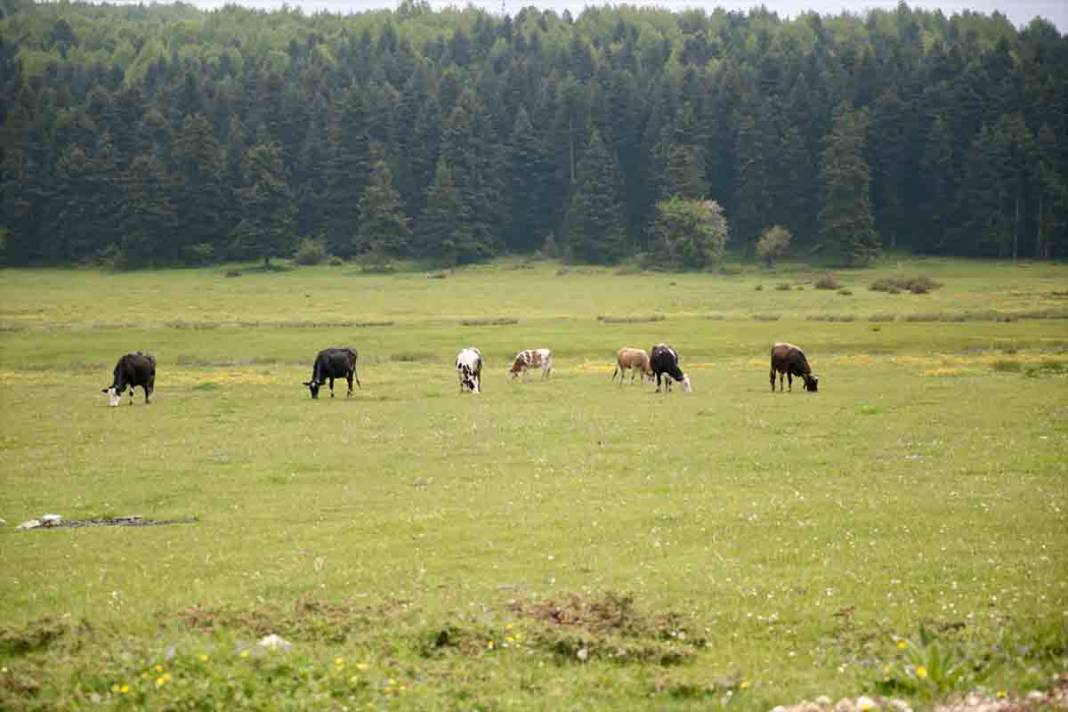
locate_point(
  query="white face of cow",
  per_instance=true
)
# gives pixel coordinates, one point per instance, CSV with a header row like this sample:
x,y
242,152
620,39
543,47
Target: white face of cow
x,y
114,397
686,384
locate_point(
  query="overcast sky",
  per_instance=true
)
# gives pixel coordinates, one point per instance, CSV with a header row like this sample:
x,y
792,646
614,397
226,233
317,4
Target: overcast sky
x,y
1019,12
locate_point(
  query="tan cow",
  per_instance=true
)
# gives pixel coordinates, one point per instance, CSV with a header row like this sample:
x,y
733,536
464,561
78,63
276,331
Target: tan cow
x,y
635,360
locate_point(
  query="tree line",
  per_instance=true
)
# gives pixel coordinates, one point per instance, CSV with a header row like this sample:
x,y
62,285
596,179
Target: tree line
x,y
167,135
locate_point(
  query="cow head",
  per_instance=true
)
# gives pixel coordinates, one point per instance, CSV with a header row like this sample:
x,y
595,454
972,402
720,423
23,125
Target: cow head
x,y
686,388
811,382
114,397
313,386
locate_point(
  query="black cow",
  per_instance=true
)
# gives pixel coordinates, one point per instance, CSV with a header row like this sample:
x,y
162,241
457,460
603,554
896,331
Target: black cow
x,y
132,370
788,360
331,364
664,361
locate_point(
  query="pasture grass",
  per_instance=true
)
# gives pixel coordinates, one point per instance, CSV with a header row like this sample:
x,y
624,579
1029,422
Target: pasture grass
x,y
569,543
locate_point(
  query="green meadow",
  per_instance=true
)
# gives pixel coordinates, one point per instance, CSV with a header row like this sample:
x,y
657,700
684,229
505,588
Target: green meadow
x,y
569,543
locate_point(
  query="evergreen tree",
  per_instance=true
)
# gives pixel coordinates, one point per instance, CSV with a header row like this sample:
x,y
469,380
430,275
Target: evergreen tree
x,y
441,232
346,172
847,229
266,226
593,227
529,172
148,215
198,194
383,228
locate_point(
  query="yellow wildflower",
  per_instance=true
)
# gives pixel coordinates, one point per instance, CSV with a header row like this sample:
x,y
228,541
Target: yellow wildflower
x,y
159,668
509,626
1002,694
489,645
244,653
124,689
902,645
921,672
339,661
361,666
202,657
744,685
354,679
163,679
886,670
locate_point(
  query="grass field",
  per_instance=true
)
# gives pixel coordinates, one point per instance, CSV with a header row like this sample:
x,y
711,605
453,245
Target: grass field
x,y
546,545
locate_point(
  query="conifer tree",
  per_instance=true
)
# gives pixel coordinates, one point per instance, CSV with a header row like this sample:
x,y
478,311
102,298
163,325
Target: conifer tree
x,y
266,226
441,230
528,171
847,229
593,227
383,228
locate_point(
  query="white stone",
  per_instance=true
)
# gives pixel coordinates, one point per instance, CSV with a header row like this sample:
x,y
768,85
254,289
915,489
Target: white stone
x,y
866,703
51,520
275,642
1035,696
583,654
29,524
823,701
780,708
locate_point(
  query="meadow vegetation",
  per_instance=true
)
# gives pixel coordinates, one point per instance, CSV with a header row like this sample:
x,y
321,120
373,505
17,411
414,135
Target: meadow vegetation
x,y
570,543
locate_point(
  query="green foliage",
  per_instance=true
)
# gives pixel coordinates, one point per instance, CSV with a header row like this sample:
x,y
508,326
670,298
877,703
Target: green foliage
x,y
688,234
310,252
265,229
383,228
957,146
847,229
772,244
594,223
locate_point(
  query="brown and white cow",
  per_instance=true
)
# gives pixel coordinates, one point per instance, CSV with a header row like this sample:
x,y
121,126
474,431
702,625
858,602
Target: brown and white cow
x,y
634,360
532,358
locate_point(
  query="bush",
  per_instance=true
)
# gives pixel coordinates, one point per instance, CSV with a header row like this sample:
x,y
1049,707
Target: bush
x,y
783,286
759,288
895,285
846,292
688,234
772,243
310,252
336,261
827,281
233,273
202,253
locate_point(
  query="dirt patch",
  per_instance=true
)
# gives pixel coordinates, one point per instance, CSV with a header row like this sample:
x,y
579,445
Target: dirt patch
x,y
34,636
611,627
306,619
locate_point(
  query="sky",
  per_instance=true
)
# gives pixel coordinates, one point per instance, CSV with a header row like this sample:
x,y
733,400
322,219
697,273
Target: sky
x,y
1020,12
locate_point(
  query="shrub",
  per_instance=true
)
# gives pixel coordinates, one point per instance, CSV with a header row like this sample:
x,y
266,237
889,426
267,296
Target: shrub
x,y
895,285
233,273
783,286
846,292
310,252
437,275
202,253
759,288
772,243
688,234
827,281
336,261
730,269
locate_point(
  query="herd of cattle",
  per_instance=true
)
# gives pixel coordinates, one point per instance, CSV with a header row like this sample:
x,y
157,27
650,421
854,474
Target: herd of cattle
x,y
661,363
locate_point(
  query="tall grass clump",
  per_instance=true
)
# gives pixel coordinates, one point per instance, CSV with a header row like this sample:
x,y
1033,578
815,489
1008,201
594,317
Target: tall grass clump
x,y
893,285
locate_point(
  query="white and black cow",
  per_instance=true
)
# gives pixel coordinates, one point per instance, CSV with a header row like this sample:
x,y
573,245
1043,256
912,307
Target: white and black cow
x,y
132,370
664,361
469,369
330,364
532,358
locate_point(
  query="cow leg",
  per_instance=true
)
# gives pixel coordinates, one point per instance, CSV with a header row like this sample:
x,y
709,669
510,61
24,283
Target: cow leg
x,y
790,380
148,393
658,383
131,394
349,379
331,386
773,380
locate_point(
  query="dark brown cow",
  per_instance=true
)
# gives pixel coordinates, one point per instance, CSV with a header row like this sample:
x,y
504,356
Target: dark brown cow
x,y
788,360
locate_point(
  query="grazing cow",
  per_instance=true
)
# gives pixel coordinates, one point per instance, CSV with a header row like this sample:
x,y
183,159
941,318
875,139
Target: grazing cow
x,y
665,362
132,370
330,364
634,360
532,358
788,360
469,368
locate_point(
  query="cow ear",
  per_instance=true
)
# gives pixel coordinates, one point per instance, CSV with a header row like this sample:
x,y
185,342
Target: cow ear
x,y
103,390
